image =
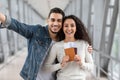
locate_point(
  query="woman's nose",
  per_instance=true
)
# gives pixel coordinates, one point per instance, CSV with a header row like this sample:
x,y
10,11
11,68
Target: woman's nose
x,y
69,28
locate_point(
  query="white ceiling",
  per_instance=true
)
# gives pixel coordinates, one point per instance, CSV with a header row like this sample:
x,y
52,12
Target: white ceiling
x,y
44,6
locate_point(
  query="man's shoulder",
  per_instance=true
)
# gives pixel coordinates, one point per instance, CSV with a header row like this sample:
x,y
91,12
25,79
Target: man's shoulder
x,y
39,27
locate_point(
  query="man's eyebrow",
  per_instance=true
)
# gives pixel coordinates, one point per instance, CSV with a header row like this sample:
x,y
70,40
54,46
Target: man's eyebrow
x,y
56,19
52,18
59,20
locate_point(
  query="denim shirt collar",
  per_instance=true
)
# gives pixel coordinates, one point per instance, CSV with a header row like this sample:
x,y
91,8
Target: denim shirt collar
x,y
47,35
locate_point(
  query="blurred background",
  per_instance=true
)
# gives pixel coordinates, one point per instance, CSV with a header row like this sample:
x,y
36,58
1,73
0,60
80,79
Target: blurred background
x,y
101,18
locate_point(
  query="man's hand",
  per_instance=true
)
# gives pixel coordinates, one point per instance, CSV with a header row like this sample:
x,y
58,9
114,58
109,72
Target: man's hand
x,y
2,18
90,49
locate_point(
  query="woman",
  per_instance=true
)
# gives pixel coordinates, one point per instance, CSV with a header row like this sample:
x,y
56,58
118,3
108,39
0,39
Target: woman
x,y
72,35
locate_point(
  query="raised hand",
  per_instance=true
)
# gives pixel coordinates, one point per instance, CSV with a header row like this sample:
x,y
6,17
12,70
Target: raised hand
x,y
2,18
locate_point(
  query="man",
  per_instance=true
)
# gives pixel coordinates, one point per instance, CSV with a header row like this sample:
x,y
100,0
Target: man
x,y
39,40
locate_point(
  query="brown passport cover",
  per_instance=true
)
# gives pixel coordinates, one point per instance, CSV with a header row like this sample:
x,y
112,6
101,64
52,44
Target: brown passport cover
x,y
71,52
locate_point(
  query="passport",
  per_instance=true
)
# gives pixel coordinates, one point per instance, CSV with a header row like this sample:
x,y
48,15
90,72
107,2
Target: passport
x,y
71,52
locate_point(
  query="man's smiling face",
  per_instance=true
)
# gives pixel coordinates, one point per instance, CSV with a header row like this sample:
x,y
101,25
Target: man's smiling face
x,y
55,22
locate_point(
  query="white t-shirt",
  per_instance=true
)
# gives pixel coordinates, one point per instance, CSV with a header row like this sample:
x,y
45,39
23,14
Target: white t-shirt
x,y
69,45
43,74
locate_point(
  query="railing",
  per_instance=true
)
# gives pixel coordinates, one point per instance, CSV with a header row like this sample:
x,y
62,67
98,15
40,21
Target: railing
x,y
113,72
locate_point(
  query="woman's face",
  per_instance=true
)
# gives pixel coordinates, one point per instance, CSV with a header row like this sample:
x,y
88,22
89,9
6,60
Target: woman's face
x,y
69,28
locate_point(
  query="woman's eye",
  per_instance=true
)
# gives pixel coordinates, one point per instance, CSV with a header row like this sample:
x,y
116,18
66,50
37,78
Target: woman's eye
x,y
65,26
72,25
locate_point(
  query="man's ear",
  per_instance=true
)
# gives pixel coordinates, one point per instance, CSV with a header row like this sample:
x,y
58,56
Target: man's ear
x,y
47,20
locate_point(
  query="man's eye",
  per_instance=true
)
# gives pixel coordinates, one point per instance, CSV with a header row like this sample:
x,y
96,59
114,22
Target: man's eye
x,y
52,20
59,20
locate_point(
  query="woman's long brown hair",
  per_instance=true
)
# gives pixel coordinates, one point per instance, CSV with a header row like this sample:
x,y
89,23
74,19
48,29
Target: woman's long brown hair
x,y
81,33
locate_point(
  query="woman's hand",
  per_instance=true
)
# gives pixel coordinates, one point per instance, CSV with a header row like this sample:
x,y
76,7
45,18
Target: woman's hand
x,y
77,59
64,60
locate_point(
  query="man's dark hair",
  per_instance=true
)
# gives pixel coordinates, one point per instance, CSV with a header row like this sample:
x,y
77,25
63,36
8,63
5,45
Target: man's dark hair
x,y
56,10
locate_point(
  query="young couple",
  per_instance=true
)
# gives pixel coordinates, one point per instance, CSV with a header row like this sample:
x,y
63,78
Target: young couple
x,y
66,30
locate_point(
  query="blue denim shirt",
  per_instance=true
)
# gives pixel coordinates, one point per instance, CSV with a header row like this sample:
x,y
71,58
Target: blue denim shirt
x,y
38,43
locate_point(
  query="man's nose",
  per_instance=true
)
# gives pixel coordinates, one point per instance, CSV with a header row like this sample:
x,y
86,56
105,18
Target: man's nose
x,y
55,23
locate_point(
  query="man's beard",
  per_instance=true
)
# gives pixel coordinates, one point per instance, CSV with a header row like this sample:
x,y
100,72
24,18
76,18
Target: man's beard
x,y
53,32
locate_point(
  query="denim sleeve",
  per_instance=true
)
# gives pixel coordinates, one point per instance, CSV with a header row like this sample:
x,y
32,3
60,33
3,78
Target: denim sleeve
x,y
21,28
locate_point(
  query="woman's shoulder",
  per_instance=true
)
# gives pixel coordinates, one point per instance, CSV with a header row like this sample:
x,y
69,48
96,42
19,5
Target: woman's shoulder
x,y
82,42
58,44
